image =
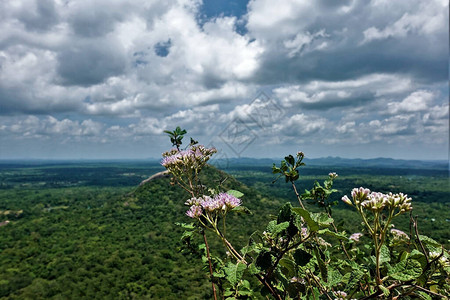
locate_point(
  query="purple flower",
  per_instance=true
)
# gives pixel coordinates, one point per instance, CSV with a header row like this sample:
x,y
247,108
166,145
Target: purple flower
x,y
360,194
210,204
376,201
346,200
340,295
356,236
398,234
194,212
228,200
304,232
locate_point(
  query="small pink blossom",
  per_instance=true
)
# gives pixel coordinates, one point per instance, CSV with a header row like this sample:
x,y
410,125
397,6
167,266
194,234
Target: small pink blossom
x,y
356,236
194,212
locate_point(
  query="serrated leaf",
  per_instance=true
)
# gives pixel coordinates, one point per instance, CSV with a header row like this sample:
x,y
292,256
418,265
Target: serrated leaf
x,y
334,277
332,233
235,193
406,270
429,241
275,229
322,219
253,269
352,279
285,213
423,295
385,255
385,290
234,272
288,265
312,225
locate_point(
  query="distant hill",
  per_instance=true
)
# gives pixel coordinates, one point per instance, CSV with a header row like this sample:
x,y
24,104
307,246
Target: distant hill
x,y
343,162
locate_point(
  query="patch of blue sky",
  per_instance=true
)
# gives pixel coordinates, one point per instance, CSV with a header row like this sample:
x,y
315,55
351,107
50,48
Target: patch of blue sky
x,y
211,9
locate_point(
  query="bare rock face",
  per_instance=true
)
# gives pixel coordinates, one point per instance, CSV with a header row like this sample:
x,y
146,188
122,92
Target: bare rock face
x,y
4,223
155,176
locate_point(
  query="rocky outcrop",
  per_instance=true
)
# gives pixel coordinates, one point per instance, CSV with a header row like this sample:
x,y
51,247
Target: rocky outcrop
x,y
155,176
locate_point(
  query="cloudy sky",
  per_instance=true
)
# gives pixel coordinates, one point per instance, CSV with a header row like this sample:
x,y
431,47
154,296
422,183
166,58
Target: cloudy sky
x,y
259,78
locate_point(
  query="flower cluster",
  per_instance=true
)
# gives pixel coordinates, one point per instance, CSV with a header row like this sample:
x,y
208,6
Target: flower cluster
x,y
195,156
333,175
399,235
356,236
222,202
376,201
443,260
340,295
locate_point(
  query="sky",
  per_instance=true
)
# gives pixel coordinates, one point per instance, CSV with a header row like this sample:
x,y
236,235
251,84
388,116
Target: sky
x,y
261,78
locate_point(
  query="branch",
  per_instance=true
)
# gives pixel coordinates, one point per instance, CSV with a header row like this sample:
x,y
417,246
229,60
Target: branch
x,y
210,265
298,196
418,239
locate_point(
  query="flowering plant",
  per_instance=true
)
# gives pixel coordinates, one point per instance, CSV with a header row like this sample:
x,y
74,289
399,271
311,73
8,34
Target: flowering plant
x,y
305,255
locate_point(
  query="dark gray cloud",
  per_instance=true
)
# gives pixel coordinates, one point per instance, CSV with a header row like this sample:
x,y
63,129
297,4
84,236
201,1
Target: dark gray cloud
x,y
38,15
345,49
90,62
90,19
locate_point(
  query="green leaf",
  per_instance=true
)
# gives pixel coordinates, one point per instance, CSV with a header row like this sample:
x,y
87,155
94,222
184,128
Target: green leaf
x,y
185,226
332,233
187,234
352,279
334,277
275,169
385,255
235,193
301,257
242,210
313,226
322,266
253,269
219,274
406,270
385,290
234,272
322,219
423,295
295,288
290,159
289,267
285,213
276,229
429,241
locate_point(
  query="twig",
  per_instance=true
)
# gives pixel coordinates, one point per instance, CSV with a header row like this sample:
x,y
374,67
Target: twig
x,y
210,265
324,291
427,291
298,196
418,239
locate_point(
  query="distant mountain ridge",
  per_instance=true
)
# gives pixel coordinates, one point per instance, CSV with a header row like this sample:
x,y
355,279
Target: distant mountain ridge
x,y
329,161
344,162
